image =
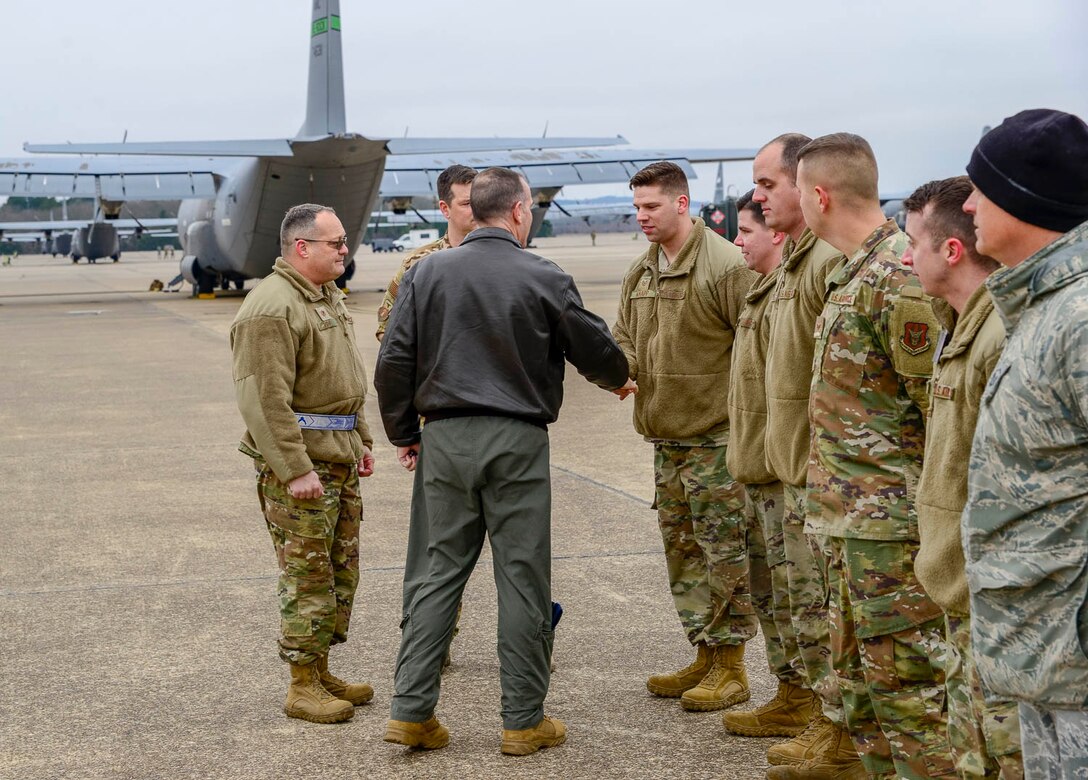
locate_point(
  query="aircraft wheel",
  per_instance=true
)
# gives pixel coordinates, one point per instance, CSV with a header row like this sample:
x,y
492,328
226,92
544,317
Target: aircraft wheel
x,y
75,259
115,258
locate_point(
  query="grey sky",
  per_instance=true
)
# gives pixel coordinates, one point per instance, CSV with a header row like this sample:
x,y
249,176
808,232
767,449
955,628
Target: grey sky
x,y
918,79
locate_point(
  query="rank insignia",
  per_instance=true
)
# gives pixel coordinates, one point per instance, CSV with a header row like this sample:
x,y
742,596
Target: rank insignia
x,y
915,338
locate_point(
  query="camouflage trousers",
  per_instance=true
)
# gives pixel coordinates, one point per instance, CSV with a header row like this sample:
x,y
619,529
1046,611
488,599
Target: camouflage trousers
x,y
807,560
701,513
887,650
985,739
1055,743
317,547
770,594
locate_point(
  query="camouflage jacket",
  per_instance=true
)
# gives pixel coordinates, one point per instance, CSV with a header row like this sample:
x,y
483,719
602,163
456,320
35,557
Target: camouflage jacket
x,y
394,285
1026,522
294,351
746,458
966,355
872,361
797,301
676,328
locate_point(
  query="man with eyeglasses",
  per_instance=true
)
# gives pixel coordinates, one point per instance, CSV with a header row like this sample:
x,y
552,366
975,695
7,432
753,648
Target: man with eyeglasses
x,y
300,385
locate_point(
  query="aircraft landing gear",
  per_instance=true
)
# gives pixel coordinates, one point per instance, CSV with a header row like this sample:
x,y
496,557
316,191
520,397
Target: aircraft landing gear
x,y
115,258
206,281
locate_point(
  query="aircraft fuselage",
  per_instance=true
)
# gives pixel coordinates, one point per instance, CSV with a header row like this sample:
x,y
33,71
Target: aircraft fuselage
x,y
236,235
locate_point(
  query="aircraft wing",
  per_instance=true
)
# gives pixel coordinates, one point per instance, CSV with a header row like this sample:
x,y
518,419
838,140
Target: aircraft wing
x,y
282,147
417,174
162,178
151,225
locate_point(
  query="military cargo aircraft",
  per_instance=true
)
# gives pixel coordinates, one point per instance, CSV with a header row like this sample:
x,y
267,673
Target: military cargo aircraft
x,y
234,193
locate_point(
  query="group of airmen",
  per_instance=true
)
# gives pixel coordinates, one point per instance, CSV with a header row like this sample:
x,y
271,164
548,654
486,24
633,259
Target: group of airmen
x,y
870,445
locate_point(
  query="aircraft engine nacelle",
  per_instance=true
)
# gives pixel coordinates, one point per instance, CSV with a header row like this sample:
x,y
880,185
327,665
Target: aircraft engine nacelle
x,y
98,240
61,244
199,243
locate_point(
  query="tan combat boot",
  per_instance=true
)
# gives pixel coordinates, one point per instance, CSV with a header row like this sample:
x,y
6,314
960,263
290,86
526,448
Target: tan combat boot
x,y
725,684
838,760
521,742
786,715
428,735
824,745
356,693
308,699
672,686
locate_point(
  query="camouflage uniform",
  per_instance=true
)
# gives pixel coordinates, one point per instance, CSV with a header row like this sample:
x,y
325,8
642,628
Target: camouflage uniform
x,y
390,296
796,302
770,597
701,514
676,327
294,353
746,459
985,740
1026,522
873,355
317,548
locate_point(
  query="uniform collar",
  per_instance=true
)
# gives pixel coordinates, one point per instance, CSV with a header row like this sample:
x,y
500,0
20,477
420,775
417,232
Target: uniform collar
x,y
307,288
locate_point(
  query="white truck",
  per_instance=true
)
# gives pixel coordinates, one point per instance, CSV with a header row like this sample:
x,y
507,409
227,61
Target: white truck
x,y
414,239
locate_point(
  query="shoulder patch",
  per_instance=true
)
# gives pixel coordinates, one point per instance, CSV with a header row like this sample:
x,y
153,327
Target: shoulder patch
x,y
915,337
912,329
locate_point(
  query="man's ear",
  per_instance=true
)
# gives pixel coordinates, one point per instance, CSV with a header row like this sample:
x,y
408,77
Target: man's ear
x,y
683,202
444,208
824,199
954,251
778,237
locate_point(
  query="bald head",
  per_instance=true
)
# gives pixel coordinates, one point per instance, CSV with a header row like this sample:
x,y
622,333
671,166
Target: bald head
x,y
843,164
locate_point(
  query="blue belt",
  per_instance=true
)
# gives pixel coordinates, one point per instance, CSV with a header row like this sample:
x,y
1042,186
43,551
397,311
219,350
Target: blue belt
x,y
326,422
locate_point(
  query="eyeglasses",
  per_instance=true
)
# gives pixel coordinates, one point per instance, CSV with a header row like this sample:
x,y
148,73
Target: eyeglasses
x,y
334,244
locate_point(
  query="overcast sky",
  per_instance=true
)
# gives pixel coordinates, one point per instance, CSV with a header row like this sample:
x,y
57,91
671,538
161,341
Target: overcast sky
x,y
918,79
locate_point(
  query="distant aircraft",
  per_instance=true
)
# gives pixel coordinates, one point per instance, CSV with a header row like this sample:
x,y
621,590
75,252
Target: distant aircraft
x,y
234,193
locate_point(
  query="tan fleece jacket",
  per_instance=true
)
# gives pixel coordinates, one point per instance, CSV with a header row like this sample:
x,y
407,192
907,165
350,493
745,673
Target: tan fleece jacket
x,y
294,351
964,365
676,328
795,304
747,455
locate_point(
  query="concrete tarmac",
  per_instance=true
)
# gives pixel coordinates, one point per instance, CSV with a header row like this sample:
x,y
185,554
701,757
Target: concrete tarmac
x,y
137,580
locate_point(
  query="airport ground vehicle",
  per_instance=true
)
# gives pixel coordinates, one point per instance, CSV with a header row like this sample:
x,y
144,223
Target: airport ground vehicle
x,y
414,239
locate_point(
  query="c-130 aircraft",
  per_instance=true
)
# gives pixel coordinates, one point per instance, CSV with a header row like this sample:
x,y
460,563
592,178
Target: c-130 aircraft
x,y
234,193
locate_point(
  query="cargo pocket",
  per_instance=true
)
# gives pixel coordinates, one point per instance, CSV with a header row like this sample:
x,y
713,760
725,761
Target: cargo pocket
x,y
305,518
297,626
1030,606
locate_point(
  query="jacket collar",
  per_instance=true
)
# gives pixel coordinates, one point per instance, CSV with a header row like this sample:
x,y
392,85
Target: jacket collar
x,y
688,252
763,285
793,251
491,232
855,262
1053,267
307,288
968,323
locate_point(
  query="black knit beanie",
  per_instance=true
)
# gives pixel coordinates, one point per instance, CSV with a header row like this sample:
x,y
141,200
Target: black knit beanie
x,y
1035,167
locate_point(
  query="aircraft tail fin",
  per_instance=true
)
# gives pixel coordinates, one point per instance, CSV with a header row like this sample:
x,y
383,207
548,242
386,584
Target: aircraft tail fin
x,y
325,94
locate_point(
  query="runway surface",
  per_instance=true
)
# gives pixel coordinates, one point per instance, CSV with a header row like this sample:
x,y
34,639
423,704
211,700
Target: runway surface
x,y
137,580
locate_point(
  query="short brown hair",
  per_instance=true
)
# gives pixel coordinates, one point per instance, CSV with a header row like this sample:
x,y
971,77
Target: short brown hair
x,y
846,163
669,176
495,191
455,174
299,219
792,144
946,218
745,202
